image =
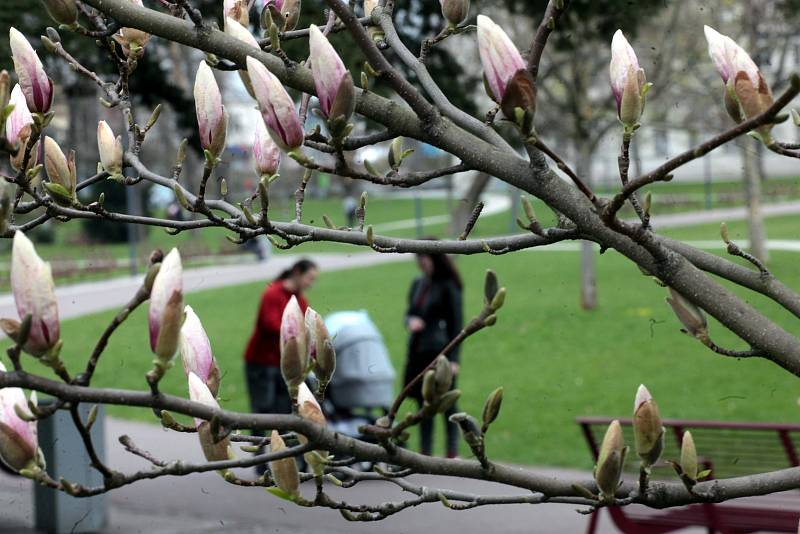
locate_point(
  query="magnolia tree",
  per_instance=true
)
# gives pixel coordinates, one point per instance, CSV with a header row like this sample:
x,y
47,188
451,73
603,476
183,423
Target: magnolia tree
x,y
417,109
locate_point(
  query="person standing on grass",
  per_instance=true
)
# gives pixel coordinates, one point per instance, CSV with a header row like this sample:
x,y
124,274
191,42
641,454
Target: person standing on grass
x,y
433,319
268,392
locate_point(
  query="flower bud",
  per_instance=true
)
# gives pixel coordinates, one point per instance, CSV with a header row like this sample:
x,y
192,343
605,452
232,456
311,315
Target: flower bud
x,y
196,351
647,429
691,317
320,347
211,119
277,107
519,101
19,445
213,449
688,456
236,10
62,11
36,86
287,11
34,295
500,58
455,11
429,386
308,408
444,374
284,471
491,409
60,170
610,461
628,82
746,92
166,307
293,344
266,154
329,72
132,40
110,149
20,120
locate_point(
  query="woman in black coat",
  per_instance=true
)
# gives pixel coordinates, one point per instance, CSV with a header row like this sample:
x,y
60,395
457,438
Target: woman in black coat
x,y
433,319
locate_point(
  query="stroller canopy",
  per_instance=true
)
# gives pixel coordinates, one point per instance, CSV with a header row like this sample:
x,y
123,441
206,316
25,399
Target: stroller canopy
x,y
364,375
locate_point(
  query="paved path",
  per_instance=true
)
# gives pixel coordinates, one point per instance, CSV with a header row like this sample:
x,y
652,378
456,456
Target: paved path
x,y
677,220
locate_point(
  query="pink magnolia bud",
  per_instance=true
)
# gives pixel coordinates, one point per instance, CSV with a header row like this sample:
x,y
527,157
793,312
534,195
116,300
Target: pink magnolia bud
x,y
307,406
211,119
235,29
500,58
196,351
266,154
277,107
166,307
310,319
293,344
36,86
110,149
19,445
628,82
329,76
746,92
213,449
34,295
236,10
19,122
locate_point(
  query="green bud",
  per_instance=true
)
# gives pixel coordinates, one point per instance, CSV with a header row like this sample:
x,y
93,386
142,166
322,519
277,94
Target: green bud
x,y
610,462
448,400
429,386
444,374
691,317
490,286
688,456
491,408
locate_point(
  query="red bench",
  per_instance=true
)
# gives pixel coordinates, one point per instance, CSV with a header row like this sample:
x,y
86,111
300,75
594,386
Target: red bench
x,y
729,450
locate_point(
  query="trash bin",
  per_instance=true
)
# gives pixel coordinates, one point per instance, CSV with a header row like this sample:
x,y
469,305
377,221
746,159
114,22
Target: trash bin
x,y
55,511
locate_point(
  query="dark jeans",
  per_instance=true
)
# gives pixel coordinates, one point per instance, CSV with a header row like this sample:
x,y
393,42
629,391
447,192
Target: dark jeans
x,y
268,394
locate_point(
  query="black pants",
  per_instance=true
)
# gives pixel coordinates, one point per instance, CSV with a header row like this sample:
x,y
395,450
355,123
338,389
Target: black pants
x,y
268,394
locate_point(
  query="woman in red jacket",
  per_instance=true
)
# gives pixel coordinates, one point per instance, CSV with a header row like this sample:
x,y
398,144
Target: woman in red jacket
x,y
268,393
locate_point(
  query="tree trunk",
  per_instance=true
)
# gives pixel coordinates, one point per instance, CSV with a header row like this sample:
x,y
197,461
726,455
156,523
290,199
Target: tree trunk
x,y
460,215
752,190
588,252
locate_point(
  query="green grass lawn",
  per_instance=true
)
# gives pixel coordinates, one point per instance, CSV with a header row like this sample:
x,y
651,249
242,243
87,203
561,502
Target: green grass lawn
x,y
555,361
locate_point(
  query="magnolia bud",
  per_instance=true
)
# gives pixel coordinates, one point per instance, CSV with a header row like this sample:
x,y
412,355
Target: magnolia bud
x,y
36,86
491,409
284,471
234,29
325,363
443,374
166,307
448,400
647,429
60,170
691,317
500,58
214,449
610,462
266,154
455,11
110,149
62,11
132,40
519,100
20,120
211,119
277,107
196,351
236,10
628,82
746,92
429,386
293,344
34,296
688,456
308,408
329,73
19,447
5,88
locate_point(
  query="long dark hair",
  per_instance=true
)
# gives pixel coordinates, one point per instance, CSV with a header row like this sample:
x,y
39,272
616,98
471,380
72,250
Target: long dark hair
x,y
299,267
443,266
